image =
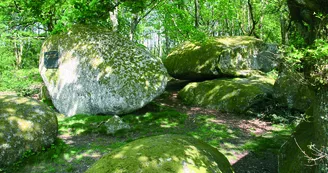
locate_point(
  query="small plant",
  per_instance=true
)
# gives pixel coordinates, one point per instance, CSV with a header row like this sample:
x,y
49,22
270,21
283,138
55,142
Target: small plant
x,y
318,157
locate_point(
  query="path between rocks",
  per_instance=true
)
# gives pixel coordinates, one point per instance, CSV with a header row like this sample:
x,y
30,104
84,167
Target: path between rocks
x,y
244,162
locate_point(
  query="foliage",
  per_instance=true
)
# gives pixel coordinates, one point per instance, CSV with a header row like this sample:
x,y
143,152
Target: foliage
x,y
7,59
312,61
273,111
25,82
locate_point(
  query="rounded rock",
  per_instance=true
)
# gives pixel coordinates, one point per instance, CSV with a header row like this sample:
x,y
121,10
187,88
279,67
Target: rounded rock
x,y
25,125
235,95
161,154
237,56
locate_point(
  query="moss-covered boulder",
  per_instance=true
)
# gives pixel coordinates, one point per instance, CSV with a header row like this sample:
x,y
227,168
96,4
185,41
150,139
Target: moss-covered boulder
x,y
25,125
163,154
291,90
90,70
291,156
223,56
228,95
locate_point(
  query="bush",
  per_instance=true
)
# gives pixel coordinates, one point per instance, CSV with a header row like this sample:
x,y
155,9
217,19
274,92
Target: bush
x,y
7,59
312,61
25,82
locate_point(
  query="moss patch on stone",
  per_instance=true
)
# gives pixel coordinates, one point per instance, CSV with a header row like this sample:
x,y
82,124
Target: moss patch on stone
x,y
161,154
228,95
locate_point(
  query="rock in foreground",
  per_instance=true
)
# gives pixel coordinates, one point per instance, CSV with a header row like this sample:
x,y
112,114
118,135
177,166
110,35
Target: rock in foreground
x,y
223,56
25,125
163,154
227,95
91,70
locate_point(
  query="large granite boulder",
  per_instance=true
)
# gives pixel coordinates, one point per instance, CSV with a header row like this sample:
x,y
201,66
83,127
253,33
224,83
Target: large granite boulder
x,y
292,91
91,70
223,56
161,154
228,95
25,125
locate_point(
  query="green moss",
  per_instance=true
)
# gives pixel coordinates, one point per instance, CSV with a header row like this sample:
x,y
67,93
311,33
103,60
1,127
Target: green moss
x,y
230,95
165,153
52,75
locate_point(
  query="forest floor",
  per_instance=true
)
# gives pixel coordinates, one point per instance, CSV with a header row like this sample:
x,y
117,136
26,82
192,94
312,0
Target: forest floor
x,y
250,144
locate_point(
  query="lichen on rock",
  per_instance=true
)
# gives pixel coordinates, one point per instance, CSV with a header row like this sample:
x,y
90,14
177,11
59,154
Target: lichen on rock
x,y
163,154
227,95
222,56
115,124
25,125
100,72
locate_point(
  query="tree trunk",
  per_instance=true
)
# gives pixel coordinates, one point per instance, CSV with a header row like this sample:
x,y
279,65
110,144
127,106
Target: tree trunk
x,y
254,22
283,30
18,52
167,42
196,13
159,45
113,17
133,27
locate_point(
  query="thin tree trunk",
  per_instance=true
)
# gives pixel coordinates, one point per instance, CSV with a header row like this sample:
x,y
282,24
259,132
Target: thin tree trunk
x,y
159,45
18,52
133,28
283,29
252,31
196,13
167,42
113,17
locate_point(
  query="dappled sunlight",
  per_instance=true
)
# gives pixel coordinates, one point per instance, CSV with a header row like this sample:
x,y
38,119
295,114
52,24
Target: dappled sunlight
x,y
23,125
89,153
164,153
236,40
